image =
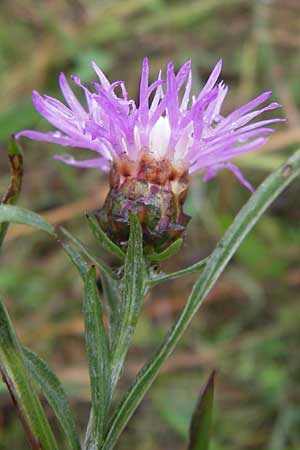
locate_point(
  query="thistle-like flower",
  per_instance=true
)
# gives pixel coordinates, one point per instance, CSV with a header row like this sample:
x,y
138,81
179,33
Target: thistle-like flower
x,y
151,149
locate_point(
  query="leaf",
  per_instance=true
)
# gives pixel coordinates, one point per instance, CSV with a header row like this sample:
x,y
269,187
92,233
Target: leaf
x,y
109,285
180,273
98,359
104,268
113,301
16,165
172,250
17,378
225,249
134,281
201,422
76,259
55,395
103,239
15,214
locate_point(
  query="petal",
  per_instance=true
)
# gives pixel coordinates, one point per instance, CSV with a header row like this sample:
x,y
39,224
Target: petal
x,y
98,163
69,96
213,170
212,79
103,80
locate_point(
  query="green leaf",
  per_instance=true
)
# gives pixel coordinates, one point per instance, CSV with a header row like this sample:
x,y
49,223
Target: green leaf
x,y
76,259
98,360
102,266
103,239
54,393
172,250
17,378
225,249
132,296
15,214
16,165
109,285
113,301
157,279
201,422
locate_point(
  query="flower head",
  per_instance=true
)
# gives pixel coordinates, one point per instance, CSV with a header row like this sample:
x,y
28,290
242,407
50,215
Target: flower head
x,y
151,148
168,123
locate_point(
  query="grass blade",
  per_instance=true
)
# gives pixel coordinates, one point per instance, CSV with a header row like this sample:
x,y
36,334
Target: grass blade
x,y
17,378
98,360
55,395
226,248
200,428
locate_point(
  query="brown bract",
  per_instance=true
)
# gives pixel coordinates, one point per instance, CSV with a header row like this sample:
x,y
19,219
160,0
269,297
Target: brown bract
x,y
161,172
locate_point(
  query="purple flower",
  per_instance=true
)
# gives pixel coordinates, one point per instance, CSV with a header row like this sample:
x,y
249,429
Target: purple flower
x,y
168,124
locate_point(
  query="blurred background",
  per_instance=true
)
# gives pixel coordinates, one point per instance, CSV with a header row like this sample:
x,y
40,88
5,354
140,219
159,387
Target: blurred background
x,y
248,329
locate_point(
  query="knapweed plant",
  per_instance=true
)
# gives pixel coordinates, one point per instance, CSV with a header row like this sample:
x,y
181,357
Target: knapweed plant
x,y
150,150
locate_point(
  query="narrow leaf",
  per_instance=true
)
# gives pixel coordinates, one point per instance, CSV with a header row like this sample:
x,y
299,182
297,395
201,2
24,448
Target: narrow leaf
x,y
226,248
17,378
132,296
172,250
15,214
12,193
98,359
201,422
76,259
113,301
157,279
103,239
98,263
109,285
55,395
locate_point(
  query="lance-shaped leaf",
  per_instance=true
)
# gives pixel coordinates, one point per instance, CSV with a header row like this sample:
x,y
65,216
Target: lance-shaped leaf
x,y
76,258
55,395
103,239
98,360
109,285
111,293
17,378
132,296
98,263
12,193
15,214
161,277
201,422
172,250
225,249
